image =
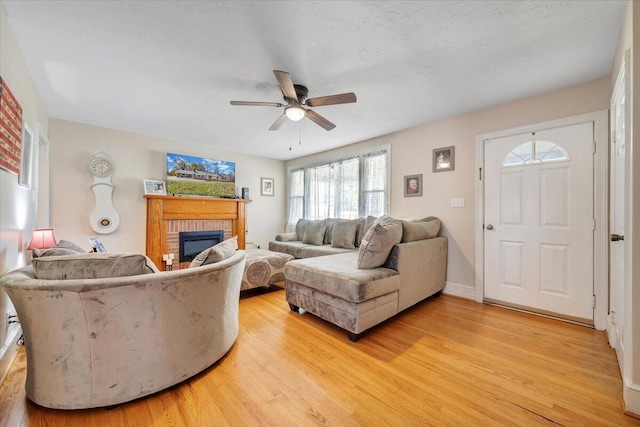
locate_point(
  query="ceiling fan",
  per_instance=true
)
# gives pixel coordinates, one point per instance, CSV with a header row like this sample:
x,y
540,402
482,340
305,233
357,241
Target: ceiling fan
x,y
296,99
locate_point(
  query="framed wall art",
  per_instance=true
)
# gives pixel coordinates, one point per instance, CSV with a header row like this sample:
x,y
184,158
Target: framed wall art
x,y
412,185
266,186
444,159
155,187
10,130
199,176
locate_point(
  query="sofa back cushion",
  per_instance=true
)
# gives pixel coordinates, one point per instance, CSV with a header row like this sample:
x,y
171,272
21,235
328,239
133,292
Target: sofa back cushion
x,y
216,253
425,228
91,266
378,242
314,232
344,234
301,225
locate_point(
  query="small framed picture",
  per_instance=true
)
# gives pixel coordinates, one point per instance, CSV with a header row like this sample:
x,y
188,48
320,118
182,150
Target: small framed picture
x,y
413,185
155,187
97,245
444,159
266,186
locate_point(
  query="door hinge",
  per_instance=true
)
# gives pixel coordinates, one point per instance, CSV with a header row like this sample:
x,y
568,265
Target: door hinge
x,y
480,174
593,302
594,147
594,224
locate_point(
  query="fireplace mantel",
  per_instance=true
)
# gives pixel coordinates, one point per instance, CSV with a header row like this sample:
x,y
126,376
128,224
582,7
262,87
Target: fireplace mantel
x,y
162,209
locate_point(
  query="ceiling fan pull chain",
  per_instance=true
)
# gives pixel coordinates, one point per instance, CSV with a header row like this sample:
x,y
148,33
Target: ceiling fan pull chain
x,y
300,135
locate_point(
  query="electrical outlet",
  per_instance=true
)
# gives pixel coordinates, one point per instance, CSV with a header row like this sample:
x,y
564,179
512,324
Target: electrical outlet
x,y
6,323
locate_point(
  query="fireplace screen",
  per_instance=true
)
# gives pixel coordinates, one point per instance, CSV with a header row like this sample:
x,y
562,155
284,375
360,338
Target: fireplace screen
x,y
194,242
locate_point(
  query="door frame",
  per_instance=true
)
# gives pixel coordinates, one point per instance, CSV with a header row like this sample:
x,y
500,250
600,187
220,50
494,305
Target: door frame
x,y
600,203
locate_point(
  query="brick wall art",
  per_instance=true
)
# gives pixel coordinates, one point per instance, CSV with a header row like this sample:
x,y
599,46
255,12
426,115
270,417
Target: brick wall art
x,y
10,129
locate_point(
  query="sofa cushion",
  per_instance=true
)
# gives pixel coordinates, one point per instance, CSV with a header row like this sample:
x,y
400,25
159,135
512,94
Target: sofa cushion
x,y
344,234
426,228
365,226
287,237
69,248
338,275
90,266
301,226
314,232
291,248
310,251
378,242
53,251
328,229
216,253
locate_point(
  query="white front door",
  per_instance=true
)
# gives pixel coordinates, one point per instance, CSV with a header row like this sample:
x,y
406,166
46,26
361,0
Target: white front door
x,y
617,215
539,221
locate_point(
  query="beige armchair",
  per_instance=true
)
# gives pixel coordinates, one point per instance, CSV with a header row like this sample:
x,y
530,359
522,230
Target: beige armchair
x,y
101,342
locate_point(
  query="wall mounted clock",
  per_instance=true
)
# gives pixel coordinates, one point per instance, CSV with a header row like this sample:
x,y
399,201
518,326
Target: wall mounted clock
x,y
104,218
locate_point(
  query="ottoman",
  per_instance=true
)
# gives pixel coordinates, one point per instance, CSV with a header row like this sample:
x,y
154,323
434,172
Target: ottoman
x,y
263,268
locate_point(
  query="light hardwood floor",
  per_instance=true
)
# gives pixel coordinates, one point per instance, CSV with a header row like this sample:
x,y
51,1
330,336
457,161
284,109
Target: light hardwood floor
x,y
446,361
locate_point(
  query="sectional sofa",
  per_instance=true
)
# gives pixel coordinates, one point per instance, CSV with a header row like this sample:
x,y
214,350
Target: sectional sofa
x,y
395,265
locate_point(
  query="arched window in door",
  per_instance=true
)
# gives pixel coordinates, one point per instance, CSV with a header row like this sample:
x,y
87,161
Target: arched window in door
x,y
537,151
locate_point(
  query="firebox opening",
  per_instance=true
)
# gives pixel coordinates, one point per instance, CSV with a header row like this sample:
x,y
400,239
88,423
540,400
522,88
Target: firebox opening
x,y
194,242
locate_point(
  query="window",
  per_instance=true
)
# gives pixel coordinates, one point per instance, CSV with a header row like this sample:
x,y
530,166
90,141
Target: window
x,y
347,188
535,152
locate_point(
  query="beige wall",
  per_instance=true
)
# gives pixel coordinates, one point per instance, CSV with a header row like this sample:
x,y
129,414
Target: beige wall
x,y
140,157
411,153
18,207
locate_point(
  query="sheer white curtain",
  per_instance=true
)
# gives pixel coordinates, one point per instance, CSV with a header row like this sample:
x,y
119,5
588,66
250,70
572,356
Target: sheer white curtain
x,y
331,190
375,200
348,188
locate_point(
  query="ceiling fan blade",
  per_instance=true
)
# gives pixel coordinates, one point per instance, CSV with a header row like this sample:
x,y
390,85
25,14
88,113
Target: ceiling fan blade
x,y
319,120
259,104
286,85
276,125
343,98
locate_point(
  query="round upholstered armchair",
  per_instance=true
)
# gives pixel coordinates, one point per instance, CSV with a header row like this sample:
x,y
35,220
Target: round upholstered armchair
x,y
103,341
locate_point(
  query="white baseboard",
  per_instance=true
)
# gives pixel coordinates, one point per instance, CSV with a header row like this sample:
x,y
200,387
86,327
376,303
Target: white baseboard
x,y
631,396
461,291
9,350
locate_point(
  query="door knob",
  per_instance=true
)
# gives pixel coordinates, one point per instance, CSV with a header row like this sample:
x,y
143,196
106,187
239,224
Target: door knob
x,y
489,227
616,237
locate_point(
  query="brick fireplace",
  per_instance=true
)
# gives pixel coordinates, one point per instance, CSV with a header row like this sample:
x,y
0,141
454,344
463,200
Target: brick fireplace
x,y
169,215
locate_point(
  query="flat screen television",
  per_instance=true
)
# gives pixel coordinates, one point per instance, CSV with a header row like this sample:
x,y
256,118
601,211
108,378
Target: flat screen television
x,y
197,176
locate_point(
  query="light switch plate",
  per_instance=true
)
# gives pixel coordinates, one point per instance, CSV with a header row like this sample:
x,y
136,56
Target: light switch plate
x,y
457,202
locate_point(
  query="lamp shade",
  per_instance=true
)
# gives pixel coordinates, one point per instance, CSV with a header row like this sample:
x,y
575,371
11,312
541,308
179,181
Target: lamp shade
x,y
42,238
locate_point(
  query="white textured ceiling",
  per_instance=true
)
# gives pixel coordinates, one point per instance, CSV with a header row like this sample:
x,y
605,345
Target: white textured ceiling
x,y
170,68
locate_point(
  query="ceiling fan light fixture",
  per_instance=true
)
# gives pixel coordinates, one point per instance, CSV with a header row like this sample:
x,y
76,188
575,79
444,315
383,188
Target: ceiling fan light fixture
x,y
295,112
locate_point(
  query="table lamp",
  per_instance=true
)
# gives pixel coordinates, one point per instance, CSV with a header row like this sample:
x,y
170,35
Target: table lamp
x,y
42,238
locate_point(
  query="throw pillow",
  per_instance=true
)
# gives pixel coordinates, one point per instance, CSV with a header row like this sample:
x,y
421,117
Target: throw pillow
x,y
344,234
53,251
216,253
62,244
365,226
378,242
314,232
90,266
421,229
